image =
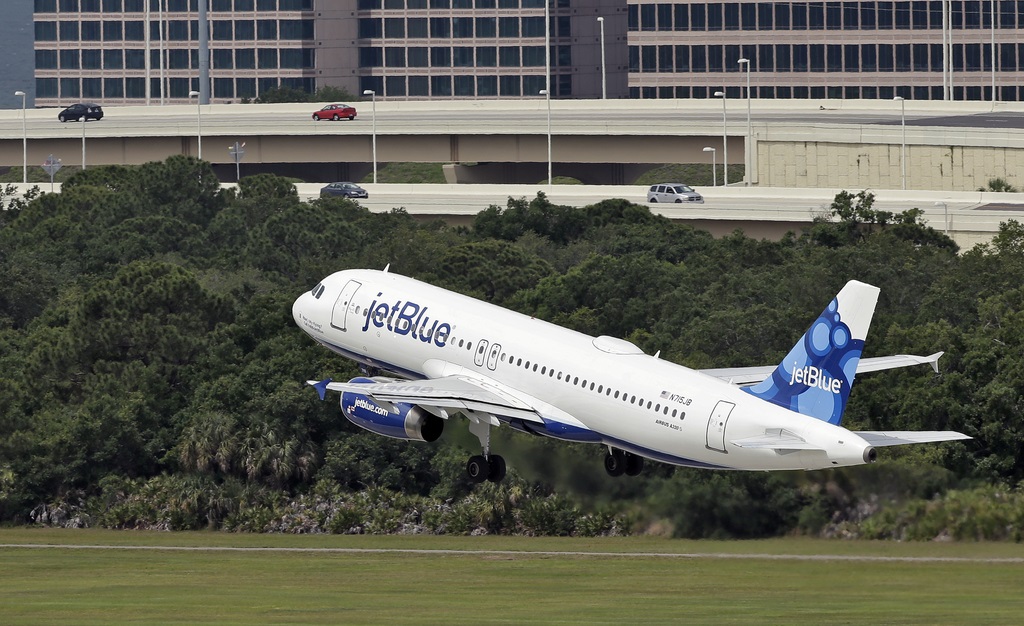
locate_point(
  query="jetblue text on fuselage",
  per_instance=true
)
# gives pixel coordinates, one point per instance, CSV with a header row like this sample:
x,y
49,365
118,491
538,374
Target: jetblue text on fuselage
x,y
407,318
815,377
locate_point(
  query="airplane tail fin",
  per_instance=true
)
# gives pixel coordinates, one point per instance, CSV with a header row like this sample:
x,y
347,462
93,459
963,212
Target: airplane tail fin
x,y
815,377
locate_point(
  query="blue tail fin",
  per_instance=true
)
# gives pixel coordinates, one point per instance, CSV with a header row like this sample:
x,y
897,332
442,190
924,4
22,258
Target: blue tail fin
x,y
815,377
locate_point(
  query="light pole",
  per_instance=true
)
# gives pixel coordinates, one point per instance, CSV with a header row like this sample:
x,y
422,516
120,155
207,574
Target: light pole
x,y
373,105
903,145
747,147
547,96
725,142
199,121
604,77
84,120
24,140
714,174
945,215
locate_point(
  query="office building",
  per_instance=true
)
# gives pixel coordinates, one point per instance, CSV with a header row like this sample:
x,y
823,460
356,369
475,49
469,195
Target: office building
x,y
146,51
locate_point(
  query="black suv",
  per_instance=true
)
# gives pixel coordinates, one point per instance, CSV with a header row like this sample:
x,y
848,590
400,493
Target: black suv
x,y
82,110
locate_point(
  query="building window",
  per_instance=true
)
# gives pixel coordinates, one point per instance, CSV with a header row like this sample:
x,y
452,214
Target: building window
x,y
113,88
92,59
268,57
508,56
510,86
92,88
267,29
245,59
222,59
223,88
440,27
487,27
462,56
394,57
291,58
223,30
417,28
134,87
46,6
69,60
464,86
508,27
419,86
462,27
70,88
418,57
134,59
245,87
394,27
533,56
46,31
441,57
46,87
245,30
486,85
487,56
46,59
395,85
69,31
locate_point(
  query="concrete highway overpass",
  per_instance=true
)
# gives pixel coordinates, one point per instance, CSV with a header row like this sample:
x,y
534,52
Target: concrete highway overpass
x,y
829,144
969,218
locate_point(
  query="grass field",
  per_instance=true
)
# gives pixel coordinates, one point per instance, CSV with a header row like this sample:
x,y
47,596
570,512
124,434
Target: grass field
x,y
510,580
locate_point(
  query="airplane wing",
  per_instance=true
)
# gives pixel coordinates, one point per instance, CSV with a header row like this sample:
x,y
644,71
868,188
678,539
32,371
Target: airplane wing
x,y
441,396
778,439
905,437
752,375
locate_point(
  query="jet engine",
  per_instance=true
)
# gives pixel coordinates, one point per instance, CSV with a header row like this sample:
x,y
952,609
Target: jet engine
x,y
401,421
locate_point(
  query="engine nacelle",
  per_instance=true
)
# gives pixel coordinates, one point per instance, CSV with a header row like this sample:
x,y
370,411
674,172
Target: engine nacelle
x,y
407,422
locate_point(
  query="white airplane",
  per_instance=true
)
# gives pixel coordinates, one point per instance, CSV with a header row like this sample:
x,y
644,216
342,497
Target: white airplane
x,y
456,354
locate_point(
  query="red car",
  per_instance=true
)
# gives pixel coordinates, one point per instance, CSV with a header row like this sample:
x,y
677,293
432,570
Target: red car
x,y
335,112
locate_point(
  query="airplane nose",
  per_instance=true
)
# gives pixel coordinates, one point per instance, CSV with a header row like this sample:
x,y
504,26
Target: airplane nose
x,y
298,308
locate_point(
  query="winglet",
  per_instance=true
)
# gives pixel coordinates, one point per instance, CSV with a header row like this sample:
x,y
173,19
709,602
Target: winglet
x,y
815,377
321,387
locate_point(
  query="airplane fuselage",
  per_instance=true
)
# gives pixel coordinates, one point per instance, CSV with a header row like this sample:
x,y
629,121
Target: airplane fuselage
x,y
614,393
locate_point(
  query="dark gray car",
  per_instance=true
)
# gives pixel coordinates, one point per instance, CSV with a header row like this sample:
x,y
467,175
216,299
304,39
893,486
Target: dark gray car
x,y
344,190
81,111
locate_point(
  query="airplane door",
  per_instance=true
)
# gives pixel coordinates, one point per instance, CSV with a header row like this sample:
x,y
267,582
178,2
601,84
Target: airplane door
x,y
481,353
492,356
343,304
716,425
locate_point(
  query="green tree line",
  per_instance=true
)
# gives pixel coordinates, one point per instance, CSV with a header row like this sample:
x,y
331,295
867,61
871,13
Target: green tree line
x,y
152,376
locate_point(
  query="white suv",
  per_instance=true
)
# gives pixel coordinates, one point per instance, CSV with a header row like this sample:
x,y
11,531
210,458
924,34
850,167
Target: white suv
x,y
673,192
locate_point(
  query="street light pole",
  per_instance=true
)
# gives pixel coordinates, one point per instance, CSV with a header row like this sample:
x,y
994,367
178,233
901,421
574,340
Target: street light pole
x,y
544,92
84,120
714,174
747,148
199,121
903,145
604,77
725,141
373,104
24,139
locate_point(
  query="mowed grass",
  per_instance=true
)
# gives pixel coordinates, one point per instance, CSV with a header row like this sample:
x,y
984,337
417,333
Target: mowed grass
x,y
524,585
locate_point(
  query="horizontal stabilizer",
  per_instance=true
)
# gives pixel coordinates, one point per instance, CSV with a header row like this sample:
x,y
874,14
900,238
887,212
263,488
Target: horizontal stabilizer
x,y
905,437
778,439
753,375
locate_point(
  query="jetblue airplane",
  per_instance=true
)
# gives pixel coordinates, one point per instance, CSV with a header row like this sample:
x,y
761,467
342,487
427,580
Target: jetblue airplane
x,y
447,353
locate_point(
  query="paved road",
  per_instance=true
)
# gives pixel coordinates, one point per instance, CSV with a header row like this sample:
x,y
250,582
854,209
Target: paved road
x,y
536,553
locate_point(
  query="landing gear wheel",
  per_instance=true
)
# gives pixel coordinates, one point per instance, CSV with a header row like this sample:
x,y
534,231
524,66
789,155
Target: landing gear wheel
x,y
634,464
497,469
615,463
478,468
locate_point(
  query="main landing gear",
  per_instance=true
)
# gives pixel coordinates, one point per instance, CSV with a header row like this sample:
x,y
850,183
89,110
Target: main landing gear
x,y
481,468
484,466
618,462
